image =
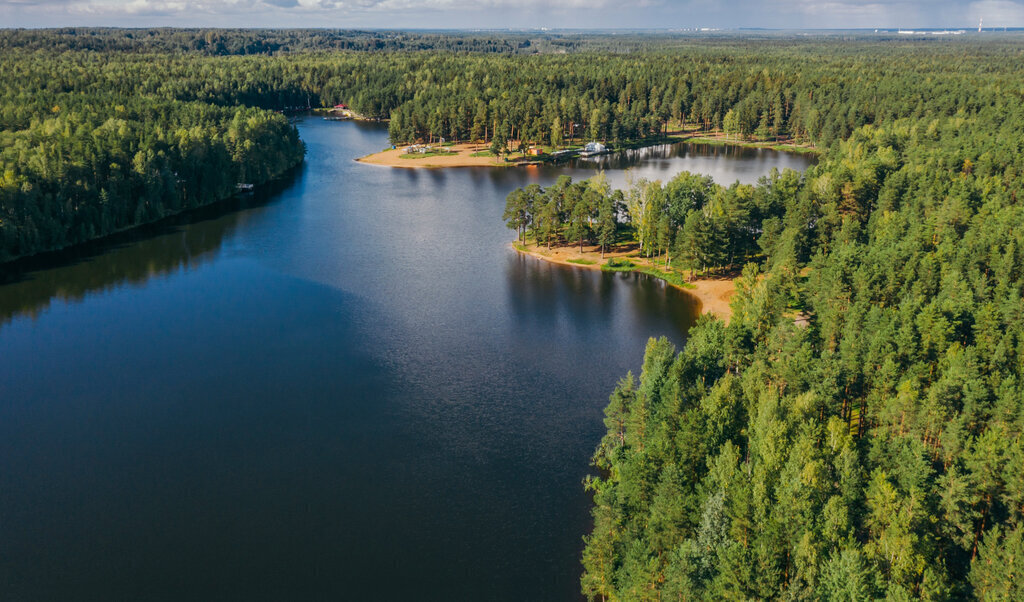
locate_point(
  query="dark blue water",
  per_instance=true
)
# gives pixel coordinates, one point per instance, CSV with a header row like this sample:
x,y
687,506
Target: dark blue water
x,y
346,388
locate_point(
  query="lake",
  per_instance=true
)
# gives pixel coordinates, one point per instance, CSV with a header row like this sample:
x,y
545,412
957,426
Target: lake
x,y
346,387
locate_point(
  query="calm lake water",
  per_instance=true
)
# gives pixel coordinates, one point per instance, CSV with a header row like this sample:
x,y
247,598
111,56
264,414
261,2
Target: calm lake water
x,y
348,387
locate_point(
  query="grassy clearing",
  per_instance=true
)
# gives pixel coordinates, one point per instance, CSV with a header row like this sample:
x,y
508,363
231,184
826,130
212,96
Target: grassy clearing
x,y
434,153
785,148
643,142
616,264
619,264
674,278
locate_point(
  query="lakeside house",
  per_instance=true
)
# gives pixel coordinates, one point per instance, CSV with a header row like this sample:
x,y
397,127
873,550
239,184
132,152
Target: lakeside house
x,y
535,152
343,110
595,148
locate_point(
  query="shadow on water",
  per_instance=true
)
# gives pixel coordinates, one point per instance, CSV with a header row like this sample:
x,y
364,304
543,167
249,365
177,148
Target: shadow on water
x,y
179,242
546,294
684,150
538,292
725,164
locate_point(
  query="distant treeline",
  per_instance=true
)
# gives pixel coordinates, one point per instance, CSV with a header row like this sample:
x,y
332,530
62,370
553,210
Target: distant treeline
x,y
223,42
815,90
817,93
235,41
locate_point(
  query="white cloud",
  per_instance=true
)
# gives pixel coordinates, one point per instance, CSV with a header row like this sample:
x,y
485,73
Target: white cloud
x,y
135,7
514,13
997,13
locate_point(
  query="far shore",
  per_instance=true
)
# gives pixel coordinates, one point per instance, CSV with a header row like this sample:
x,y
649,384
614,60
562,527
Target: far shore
x,y
462,154
713,294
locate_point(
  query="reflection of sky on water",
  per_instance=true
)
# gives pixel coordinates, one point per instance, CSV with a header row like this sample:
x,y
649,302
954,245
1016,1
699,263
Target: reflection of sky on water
x,y
726,164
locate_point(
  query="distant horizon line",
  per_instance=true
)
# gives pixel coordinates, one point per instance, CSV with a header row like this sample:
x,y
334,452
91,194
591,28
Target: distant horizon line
x,y
541,29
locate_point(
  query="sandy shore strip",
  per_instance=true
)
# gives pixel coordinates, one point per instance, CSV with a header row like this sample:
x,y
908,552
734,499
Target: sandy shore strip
x,y
463,152
714,294
463,158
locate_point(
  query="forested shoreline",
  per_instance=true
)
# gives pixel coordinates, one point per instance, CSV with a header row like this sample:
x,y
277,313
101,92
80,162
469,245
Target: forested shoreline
x,y
86,150
873,451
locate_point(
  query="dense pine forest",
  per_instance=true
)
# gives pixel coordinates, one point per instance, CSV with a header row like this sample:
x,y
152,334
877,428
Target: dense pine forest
x,y
854,432
870,450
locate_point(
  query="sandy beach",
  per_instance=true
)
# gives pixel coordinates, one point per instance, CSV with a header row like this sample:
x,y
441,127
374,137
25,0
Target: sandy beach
x,y
463,158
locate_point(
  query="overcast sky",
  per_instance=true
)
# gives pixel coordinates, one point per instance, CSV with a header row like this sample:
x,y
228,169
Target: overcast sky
x,y
659,14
